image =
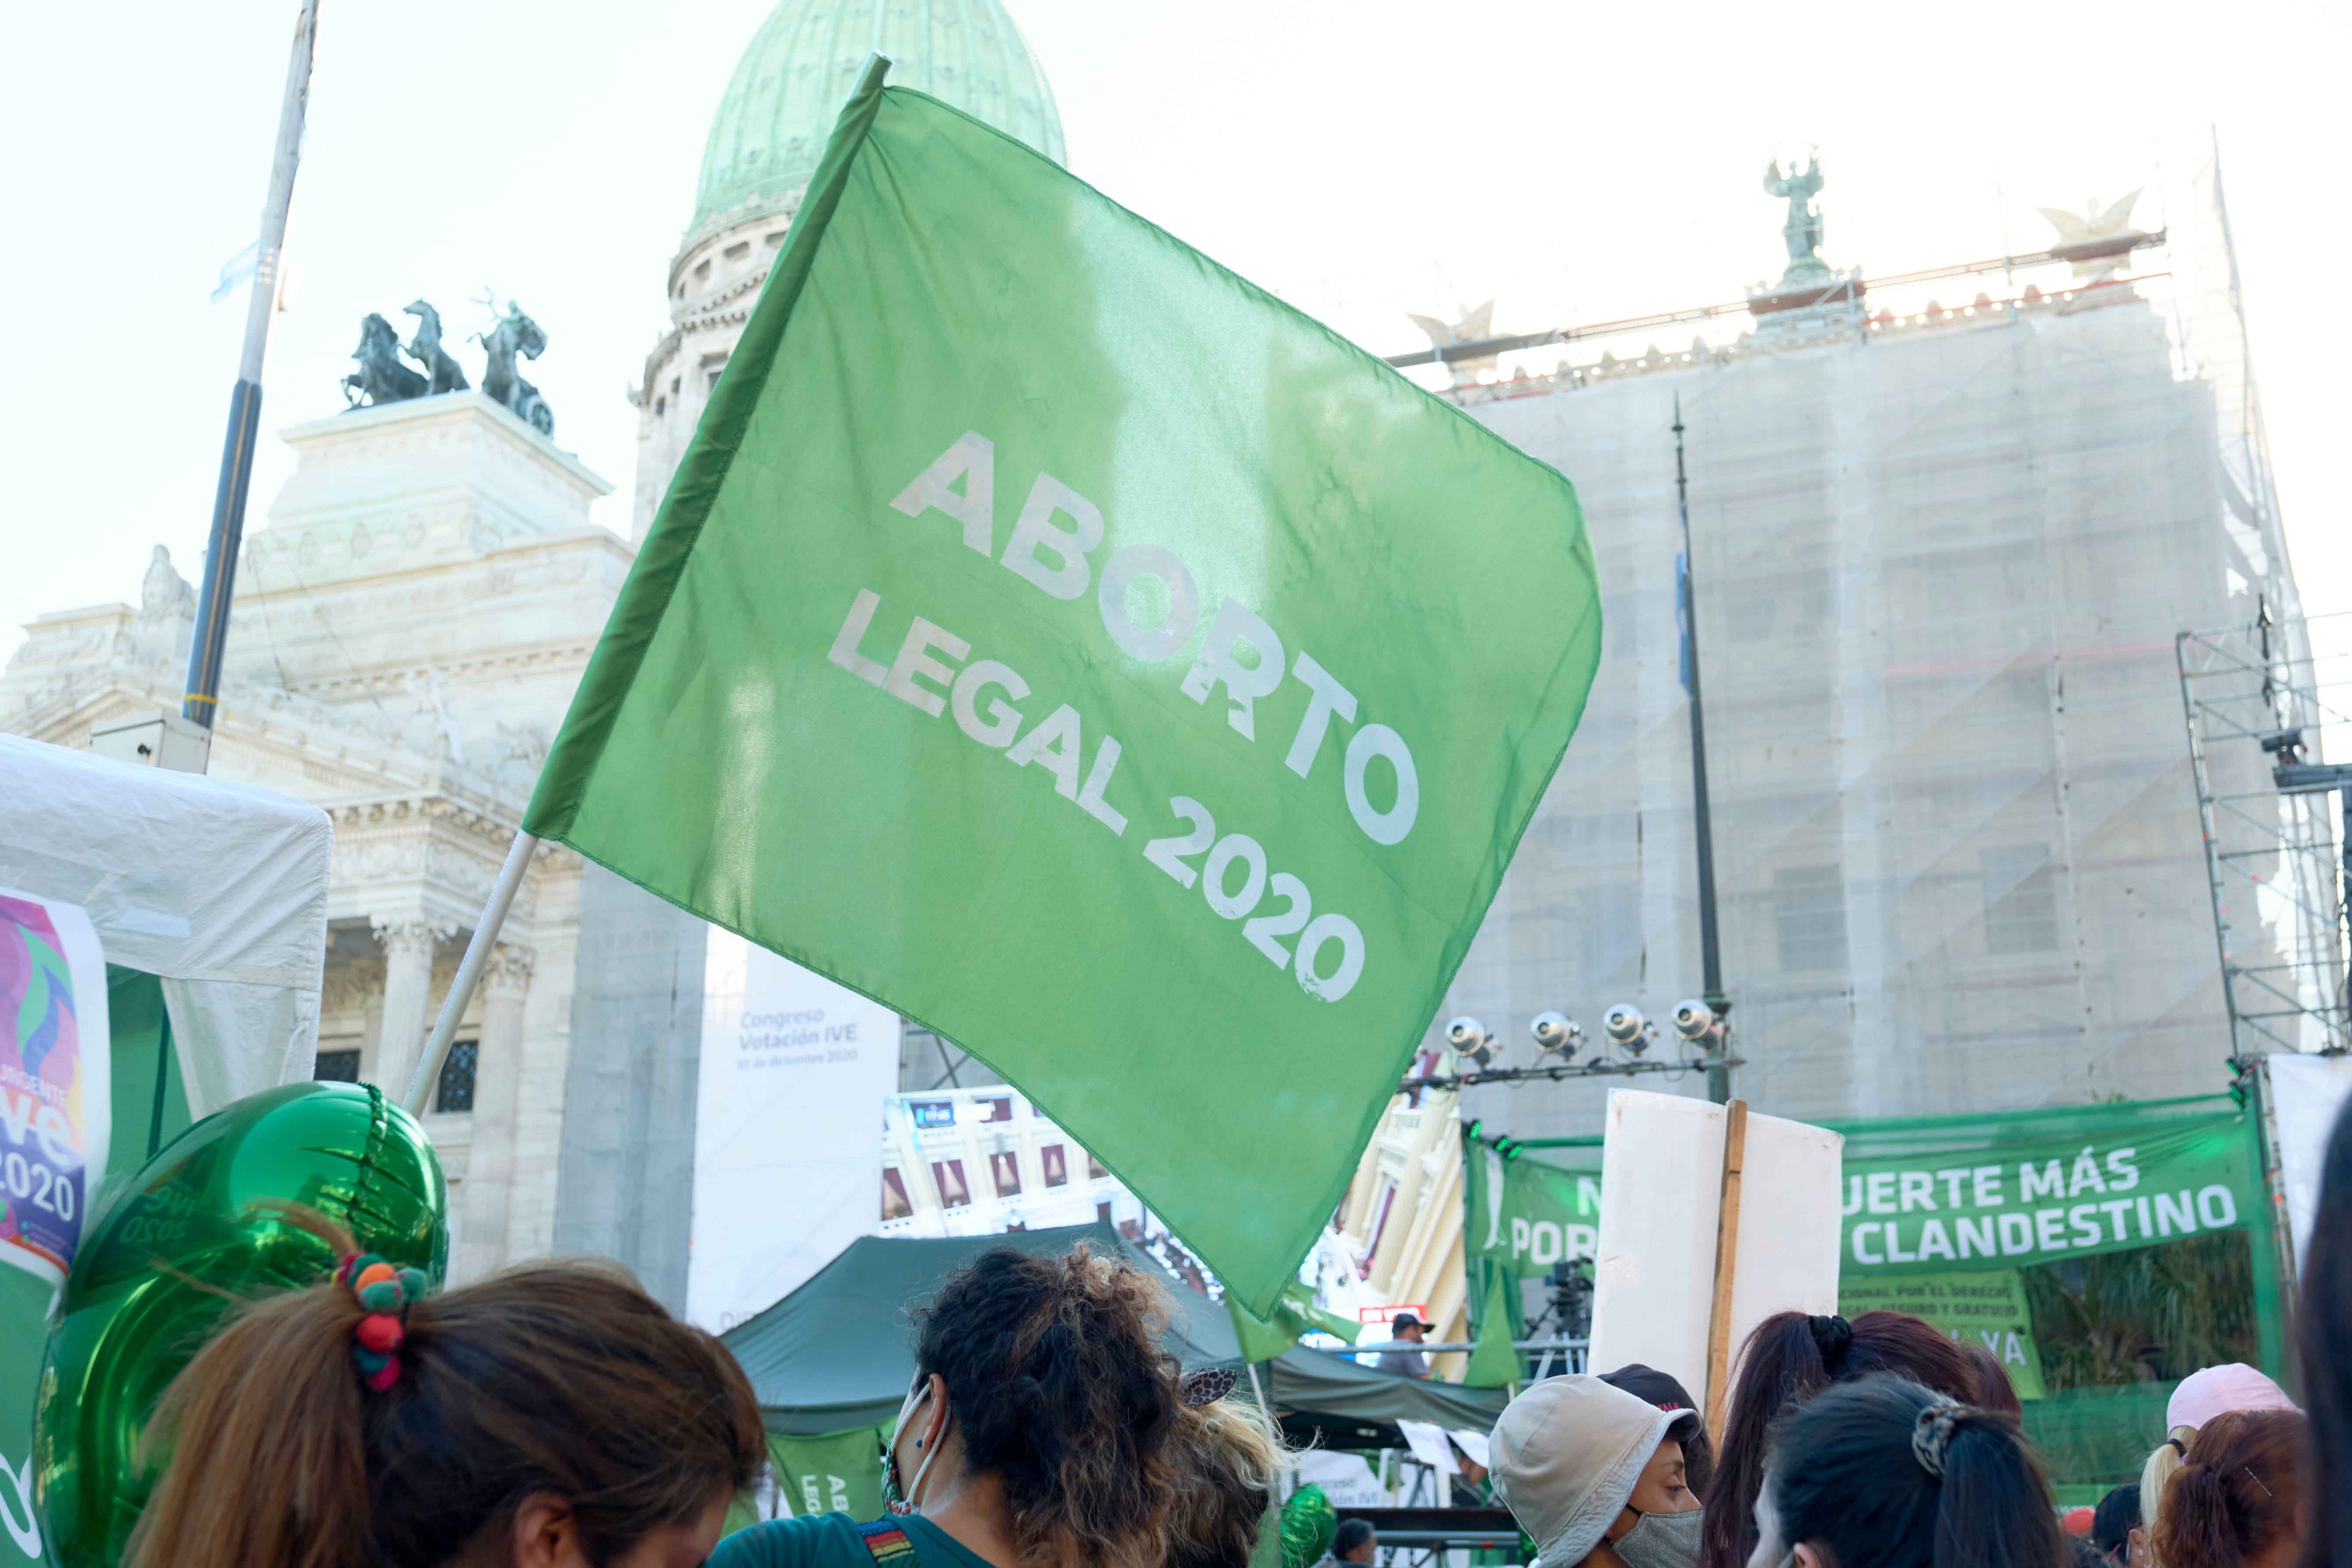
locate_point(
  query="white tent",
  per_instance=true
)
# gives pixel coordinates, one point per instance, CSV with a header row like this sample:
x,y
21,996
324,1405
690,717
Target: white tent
x,y
220,890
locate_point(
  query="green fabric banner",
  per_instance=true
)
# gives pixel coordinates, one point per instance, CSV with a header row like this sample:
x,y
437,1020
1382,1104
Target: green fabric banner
x,y
2002,1201
840,1472
1525,1213
1985,1307
1069,644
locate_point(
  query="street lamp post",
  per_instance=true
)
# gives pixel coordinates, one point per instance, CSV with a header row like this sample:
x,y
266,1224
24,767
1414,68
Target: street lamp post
x,y
201,697
1718,1072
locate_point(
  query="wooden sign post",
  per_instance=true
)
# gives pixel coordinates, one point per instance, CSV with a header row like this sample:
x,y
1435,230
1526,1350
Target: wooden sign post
x,y
1727,1265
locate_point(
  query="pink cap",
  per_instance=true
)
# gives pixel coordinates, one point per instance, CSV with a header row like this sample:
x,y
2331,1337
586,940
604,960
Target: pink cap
x,y
2077,1521
2211,1391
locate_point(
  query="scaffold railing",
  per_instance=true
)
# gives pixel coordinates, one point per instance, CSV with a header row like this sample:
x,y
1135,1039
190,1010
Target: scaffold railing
x,y
2262,702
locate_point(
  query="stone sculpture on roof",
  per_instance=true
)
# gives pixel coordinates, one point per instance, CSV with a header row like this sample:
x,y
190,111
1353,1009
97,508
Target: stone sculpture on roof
x,y
515,333
382,378
2098,243
426,350
1803,229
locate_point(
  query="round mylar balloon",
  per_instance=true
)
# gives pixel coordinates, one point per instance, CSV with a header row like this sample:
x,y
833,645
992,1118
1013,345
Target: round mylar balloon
x,y
1308,1523
137,1307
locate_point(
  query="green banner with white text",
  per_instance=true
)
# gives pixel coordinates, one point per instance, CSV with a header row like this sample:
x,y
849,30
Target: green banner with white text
x,y
1527,1213
1069,644
2040,1199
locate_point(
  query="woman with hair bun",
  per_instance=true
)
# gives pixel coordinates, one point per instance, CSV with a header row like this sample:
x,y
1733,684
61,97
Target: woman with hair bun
x,y
1882,1473
2236,1501
1789,1359
1035,1434
551,1416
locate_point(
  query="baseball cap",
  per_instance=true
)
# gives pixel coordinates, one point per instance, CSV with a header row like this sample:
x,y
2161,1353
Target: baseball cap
x,y
1566,1455
2213,1390
1405,1321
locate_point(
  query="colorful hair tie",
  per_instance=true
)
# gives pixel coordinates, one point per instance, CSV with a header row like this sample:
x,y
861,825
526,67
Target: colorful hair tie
x,y
384,1294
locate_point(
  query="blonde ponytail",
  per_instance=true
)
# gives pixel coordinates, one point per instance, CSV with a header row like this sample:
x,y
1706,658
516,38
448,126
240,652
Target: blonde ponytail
x,y
2155,1474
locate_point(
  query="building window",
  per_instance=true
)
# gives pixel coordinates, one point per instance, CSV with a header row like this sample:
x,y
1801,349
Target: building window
x,y
456,1090
1102,1214
702,273
1057,1163
1005,1170
739,250
999,1110
895,1203
673,385
337,1067
954,1193
2021,900
661,406
1809,916
776,239
1094,1166
931,1113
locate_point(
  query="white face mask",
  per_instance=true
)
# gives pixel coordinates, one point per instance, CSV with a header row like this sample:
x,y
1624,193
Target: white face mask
x,y
907,1408
1663,1540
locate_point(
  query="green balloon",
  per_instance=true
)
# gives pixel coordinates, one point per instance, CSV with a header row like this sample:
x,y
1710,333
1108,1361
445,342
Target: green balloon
x,y
131,1317
1308,1524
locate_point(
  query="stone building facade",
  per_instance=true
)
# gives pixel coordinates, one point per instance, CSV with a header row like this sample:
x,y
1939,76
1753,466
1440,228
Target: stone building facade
x,y
409,624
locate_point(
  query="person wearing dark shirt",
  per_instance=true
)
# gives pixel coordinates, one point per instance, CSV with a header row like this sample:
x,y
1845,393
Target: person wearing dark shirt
x,y
1037,1429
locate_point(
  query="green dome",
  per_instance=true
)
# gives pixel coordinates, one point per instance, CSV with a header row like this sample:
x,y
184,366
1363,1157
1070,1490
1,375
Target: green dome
x,y
771,126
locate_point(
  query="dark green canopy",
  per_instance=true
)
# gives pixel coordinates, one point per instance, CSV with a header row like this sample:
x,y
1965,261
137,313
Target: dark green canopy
x,y
837,1353
1342,1386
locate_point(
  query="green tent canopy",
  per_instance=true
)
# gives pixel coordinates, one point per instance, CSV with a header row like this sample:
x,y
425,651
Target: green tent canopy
x,y
837,1353
1350,1405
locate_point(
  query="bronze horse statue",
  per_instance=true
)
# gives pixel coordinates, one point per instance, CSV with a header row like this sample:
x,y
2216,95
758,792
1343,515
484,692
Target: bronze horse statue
x,y
426,350
380,378
515,333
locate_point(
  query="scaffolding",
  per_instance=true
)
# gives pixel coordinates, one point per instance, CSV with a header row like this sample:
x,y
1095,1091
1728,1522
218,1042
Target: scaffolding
x,y
2261,701
1944,554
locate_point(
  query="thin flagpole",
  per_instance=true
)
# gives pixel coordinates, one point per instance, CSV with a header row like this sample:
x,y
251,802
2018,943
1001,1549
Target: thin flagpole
x,y
469,972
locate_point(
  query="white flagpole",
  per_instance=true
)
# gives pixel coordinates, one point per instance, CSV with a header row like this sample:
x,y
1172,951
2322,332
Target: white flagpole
x,y
469,972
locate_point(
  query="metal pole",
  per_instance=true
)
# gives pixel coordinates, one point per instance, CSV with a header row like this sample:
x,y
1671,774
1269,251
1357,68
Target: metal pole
x,y
202,696
469,971
1718,1073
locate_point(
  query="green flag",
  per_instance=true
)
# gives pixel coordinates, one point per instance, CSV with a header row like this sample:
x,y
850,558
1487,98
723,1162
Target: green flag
x,y
1063,642
1295,1316
1493,1363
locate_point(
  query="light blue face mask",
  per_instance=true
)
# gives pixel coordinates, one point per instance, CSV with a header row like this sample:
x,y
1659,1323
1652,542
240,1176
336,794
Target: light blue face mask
x,y
1662,1540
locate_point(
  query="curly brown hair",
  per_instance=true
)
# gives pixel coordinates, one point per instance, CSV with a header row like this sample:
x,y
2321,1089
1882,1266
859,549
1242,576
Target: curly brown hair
x,y
1057,1376
561,1377
1226,1467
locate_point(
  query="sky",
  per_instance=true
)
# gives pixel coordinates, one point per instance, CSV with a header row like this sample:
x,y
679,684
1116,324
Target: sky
x,y
1577,163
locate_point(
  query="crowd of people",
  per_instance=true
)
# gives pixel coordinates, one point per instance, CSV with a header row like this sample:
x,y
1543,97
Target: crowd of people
x,y
556,1416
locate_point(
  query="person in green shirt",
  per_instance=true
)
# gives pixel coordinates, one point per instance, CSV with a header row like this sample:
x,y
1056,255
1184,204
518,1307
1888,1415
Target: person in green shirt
x,y
1036,1430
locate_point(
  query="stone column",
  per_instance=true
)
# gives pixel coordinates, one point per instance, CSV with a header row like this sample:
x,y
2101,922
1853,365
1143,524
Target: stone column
x,y
407,998
498,1070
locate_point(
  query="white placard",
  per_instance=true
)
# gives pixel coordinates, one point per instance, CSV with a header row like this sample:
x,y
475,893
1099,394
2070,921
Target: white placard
x,y
2307,1093
1472,1444
788,1128
1661,1192
1428,1443
1345,1478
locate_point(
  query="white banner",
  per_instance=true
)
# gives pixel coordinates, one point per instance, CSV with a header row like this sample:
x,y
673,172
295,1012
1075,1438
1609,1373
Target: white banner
x,y
787,1132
